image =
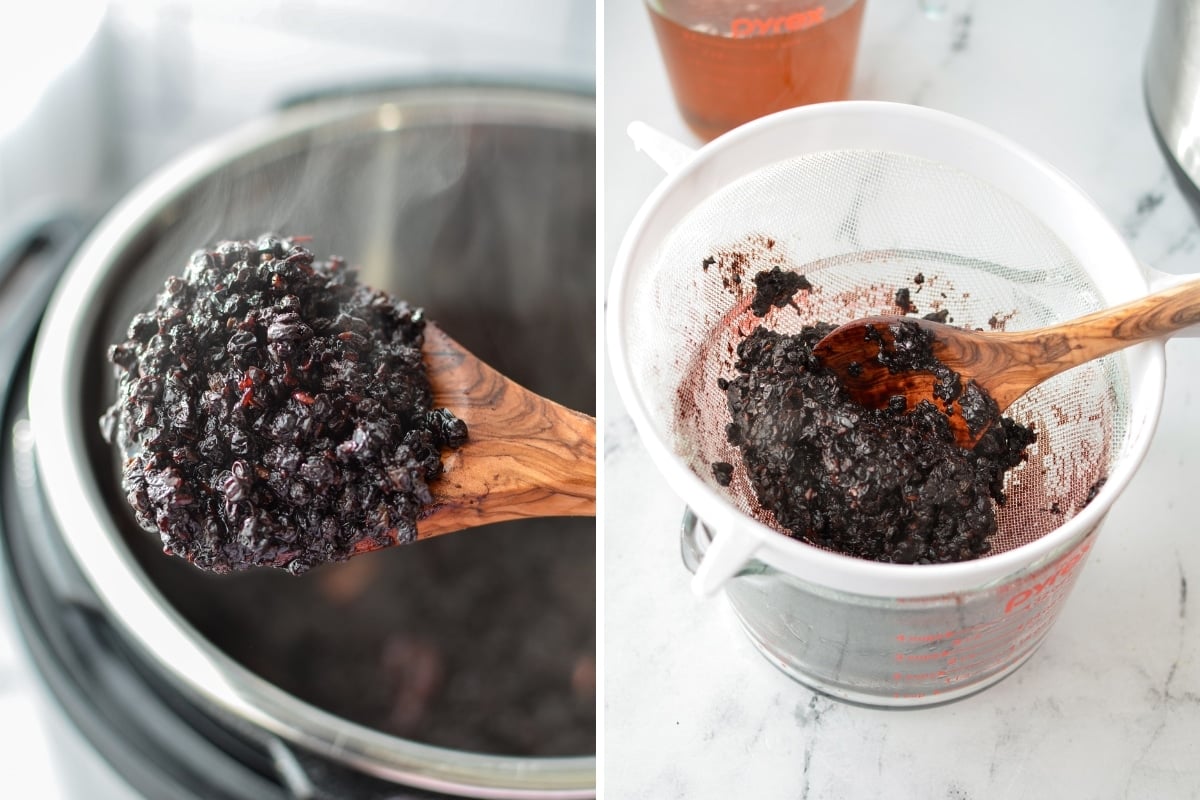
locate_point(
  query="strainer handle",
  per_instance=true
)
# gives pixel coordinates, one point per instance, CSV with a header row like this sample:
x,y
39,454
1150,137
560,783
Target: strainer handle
x,y
726,556
662,149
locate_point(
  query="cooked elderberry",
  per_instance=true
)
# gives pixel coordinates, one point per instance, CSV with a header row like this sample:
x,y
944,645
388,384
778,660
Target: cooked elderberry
x,y
275,412
886,485
774,288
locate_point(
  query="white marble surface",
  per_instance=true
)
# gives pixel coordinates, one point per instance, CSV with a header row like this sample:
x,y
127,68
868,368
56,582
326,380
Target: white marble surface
x,y
1109,707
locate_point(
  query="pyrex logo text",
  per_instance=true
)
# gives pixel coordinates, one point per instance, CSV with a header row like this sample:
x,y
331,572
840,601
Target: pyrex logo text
x,y
744,27
1026,595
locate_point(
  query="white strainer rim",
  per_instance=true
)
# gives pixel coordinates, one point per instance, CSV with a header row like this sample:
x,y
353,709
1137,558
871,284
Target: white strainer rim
x,y
739,536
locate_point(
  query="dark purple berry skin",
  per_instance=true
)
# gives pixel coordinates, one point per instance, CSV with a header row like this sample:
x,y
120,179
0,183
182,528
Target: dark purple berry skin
x,y
275,412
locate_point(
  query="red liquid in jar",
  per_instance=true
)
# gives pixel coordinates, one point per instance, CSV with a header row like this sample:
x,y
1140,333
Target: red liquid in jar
x,y
729,64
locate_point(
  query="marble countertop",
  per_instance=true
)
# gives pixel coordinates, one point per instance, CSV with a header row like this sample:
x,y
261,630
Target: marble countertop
x,y
1109,706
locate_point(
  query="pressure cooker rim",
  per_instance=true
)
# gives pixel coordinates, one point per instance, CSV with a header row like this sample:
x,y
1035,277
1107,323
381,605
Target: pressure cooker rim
x,y
79,508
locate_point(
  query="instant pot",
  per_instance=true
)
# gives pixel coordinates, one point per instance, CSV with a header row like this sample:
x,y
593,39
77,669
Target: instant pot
x,y
474,202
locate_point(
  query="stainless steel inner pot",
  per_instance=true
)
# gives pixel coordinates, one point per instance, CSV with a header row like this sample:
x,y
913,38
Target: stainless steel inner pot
x,y
475,203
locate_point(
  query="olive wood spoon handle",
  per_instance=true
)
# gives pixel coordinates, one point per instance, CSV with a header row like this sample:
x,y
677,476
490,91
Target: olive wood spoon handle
x,y
1004,364
525,456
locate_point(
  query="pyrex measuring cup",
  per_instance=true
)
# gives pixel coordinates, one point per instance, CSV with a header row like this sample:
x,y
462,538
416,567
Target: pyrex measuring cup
x,y
895,650
859,197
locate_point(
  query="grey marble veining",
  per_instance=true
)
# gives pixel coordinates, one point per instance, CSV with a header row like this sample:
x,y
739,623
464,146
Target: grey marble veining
x,y
1109,706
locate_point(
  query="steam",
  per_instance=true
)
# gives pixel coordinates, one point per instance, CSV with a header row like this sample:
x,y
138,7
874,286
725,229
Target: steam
x,y
347,189
487,219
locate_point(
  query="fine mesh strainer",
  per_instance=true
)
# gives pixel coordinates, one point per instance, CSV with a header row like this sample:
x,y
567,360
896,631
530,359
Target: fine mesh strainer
x,y
865,199
859,224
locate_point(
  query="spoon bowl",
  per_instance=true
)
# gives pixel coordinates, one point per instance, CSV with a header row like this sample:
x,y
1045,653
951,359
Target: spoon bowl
x,y
525,456
1004,364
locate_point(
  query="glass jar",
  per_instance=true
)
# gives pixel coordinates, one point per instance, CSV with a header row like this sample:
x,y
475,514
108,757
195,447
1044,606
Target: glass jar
x,y
730,63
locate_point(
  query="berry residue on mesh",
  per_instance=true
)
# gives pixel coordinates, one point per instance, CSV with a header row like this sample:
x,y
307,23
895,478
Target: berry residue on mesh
x,y
275,412
886,485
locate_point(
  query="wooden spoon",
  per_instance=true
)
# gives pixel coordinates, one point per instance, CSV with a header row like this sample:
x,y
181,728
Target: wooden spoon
x,y
525,456
1004,364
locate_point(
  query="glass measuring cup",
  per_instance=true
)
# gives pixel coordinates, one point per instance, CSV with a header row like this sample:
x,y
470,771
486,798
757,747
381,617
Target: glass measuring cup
x,y
895,651
730,63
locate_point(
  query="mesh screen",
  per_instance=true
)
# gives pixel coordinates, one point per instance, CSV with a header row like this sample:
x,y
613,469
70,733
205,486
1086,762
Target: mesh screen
x,y
860,225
